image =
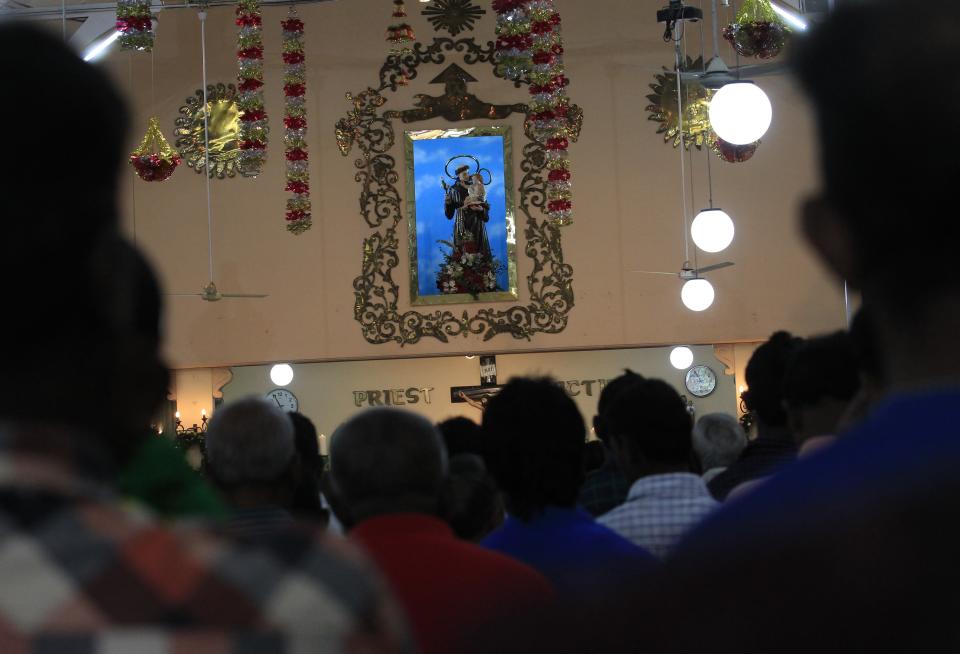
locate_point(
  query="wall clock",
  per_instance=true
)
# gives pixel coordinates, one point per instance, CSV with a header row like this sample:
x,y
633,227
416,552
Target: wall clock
x,y
701,381
284,399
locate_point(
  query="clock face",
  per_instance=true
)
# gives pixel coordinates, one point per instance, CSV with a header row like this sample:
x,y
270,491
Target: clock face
x,y
284,399
701,381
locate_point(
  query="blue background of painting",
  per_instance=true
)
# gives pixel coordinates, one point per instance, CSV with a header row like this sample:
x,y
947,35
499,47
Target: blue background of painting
x,y
429,158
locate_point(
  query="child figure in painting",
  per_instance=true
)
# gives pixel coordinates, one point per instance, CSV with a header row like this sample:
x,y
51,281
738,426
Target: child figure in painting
x,y
477,196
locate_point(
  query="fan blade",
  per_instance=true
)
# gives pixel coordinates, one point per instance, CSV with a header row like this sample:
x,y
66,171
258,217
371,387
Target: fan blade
x,y
184,294
717,266
654,272
242,295
759,70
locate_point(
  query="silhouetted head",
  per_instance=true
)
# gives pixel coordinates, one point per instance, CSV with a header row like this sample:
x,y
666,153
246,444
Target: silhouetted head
x,y
461,436
650,429
882,210
764,374
249,442
469,499
607,395
88,304
821,379
718,440
535,438
385,461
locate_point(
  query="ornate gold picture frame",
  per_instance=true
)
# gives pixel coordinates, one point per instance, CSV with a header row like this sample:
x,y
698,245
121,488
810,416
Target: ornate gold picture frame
x,y
461,226
549,284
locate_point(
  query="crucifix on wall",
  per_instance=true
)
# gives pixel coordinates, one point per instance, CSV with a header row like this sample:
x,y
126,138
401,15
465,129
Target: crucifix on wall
x,y
478,396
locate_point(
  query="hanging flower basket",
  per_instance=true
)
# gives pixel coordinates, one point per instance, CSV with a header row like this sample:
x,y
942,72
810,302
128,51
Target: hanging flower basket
x,y
154,160
757,31
734,153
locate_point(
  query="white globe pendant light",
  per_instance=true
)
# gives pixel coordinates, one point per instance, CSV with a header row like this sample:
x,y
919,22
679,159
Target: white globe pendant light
x,y
681,357
281,374
740,113
712,230
697,294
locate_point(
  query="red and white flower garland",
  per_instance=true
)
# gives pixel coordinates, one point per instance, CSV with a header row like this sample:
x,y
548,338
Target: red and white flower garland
x,y
135,24
295,124
253,119
514,40
550,105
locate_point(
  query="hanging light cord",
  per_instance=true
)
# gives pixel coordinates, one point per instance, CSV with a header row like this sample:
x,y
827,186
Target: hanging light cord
x,y
206,139
678,38
716,53
133,173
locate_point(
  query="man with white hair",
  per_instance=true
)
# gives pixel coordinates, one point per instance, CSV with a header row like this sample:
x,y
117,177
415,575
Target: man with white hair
x,y
718,440
386,469
251,457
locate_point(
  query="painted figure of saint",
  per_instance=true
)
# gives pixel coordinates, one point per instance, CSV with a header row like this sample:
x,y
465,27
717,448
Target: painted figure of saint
x,y
465,203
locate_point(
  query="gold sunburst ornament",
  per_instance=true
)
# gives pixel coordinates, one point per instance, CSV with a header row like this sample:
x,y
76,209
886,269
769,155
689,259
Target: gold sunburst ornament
x,y
454,16
224,126
696,108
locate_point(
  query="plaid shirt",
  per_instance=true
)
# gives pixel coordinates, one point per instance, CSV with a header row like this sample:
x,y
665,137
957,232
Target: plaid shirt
x,y
659,510
604,489
81,574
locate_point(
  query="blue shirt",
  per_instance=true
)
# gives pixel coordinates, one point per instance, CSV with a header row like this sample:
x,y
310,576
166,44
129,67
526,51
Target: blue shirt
x,y
910,444
852,549
569,548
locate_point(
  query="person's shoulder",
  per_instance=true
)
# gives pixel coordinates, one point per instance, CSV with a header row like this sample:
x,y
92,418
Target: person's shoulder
x,y
489,562
213,581
904,446
611,543
614,515
282,573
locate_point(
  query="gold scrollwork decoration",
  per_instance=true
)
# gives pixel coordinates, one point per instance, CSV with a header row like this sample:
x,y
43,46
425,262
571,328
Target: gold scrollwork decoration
x,y
223,126
377,294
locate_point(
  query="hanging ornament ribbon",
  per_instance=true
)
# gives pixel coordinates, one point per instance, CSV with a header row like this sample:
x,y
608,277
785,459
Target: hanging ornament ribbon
x,y
295,124
550,107
135,24
514,40
154,160
400,35
757,31
253,117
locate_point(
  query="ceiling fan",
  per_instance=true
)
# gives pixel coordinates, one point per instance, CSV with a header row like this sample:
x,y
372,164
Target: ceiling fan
x,y
688,272
210,292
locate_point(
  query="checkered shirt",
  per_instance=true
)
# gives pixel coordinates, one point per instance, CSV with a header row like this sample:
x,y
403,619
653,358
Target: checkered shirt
x,y
603,490
82,574
659,510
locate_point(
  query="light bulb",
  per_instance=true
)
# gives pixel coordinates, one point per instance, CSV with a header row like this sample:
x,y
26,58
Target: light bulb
x,y
681,358
712,230
281,374
697,294
740,113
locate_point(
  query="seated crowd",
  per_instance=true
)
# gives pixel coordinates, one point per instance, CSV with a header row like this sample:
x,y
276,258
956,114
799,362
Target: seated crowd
x,y
825,527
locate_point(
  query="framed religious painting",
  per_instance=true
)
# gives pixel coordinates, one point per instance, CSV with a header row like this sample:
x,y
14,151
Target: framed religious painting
x,y
460,215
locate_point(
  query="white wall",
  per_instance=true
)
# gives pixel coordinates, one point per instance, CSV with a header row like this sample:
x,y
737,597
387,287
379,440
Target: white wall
x,y
326,390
